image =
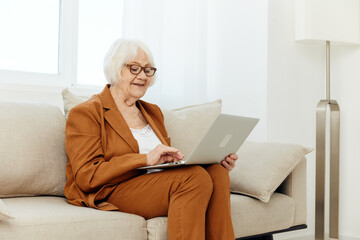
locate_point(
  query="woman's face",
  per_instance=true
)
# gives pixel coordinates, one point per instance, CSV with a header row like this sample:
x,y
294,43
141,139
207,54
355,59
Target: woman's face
x,y
135,86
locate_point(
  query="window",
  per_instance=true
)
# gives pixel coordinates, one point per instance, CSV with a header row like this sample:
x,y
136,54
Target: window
x,y
29,35
57,42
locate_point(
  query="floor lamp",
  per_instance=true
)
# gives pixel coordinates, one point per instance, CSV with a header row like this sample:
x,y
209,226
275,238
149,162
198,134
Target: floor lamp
x,y
327,21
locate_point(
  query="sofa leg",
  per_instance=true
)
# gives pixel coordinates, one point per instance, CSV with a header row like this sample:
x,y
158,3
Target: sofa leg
x,y
268,237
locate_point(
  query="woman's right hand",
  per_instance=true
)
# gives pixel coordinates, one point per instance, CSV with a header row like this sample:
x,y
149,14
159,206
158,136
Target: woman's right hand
x,y
163,154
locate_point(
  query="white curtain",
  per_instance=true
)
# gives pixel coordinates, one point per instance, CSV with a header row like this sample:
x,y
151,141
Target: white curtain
x,y
176,33
205,50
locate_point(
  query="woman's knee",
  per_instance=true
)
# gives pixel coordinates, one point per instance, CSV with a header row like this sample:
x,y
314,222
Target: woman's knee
x,y
218,174
198,177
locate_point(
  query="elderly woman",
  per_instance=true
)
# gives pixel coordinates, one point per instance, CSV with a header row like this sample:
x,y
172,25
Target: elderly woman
x,y
113,133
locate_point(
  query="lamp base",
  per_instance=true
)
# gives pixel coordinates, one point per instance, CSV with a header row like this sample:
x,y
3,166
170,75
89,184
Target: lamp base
x,y
334,169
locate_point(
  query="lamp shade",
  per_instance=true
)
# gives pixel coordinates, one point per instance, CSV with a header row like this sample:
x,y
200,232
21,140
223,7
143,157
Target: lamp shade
x,y
327,20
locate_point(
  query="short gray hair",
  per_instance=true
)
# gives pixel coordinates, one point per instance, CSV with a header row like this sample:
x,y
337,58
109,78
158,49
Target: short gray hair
x,y
120,52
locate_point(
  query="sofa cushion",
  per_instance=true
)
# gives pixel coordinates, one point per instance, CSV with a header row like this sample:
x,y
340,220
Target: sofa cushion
x,y
157,228
262,167
38,218
32,152
249,216
4,212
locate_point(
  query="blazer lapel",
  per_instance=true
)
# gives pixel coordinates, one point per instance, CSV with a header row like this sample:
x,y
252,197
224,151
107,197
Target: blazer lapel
x,y
152,124
118,123
116,120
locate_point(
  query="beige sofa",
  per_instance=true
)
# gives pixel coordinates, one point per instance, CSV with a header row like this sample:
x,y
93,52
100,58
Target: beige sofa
x,y
32,179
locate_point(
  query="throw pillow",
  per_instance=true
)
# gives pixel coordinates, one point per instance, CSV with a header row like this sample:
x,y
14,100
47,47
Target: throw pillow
x,y
32,152
186,126
4,213
262,167
70,100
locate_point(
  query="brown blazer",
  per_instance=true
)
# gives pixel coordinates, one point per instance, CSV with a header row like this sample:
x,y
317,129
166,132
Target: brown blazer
x,y
101,149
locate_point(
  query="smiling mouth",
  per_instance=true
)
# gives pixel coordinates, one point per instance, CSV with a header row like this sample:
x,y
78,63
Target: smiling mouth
x,y
139,84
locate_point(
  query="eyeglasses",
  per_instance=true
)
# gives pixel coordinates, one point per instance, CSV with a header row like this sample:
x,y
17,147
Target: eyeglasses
x,y
136,69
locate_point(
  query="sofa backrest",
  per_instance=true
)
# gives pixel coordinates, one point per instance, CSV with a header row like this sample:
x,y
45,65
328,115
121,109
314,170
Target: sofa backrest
x,y
32,142
32,150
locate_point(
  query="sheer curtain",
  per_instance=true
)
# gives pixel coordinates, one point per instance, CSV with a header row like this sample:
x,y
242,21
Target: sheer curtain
x,y
176,32
205,50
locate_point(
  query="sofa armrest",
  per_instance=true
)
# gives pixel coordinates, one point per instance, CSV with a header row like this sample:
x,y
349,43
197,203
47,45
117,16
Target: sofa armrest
x,y
294,186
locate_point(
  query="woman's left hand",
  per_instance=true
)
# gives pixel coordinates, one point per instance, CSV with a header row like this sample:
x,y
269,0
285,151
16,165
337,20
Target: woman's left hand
x,y
229,161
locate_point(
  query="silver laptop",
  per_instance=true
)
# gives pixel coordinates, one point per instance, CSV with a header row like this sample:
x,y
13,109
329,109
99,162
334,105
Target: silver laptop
x,y
225,136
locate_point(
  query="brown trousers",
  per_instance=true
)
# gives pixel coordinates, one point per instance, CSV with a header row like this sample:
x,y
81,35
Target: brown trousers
x,y
196,200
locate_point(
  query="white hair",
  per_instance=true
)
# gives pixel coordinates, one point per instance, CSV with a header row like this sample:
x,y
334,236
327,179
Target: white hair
x,y
120,52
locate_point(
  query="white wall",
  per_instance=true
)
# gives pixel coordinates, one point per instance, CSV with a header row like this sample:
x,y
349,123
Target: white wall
x,y
33,94
296,82
40,94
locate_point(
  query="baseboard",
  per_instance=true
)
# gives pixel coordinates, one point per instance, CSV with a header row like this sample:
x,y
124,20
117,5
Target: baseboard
x,y
349,238
306,235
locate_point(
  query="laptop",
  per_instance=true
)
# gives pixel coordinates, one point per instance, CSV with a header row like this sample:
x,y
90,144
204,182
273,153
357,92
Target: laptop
x,y
225,136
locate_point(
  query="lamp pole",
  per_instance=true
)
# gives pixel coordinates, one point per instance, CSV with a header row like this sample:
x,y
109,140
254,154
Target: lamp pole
x,y
327,70
321,161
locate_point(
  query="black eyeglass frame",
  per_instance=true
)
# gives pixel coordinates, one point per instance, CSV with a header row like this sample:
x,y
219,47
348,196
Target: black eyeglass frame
x,y
142,69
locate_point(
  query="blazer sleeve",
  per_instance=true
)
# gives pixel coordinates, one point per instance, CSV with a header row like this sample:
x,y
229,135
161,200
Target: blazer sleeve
x,y
85,153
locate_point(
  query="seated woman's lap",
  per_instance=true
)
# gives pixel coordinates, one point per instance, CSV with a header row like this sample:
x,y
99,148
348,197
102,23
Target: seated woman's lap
x,y
149,195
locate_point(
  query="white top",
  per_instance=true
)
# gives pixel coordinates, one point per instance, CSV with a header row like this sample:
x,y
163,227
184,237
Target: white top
x,y
147,141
